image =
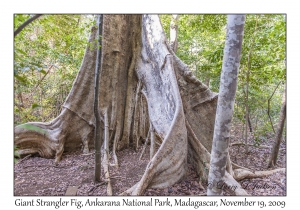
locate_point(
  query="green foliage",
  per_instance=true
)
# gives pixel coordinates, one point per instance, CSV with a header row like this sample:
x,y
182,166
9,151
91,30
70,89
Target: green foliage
x,y
48,53
33,106
201,40
264,50
47,56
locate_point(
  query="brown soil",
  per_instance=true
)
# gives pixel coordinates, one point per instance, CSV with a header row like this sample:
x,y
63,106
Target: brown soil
x,y
36,176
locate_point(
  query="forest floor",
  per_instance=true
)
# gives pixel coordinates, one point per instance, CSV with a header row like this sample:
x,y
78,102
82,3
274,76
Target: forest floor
x,y
36,176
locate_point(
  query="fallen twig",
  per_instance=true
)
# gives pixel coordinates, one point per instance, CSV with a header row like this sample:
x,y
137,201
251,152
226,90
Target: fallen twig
x,y
253,145
55,166
117,177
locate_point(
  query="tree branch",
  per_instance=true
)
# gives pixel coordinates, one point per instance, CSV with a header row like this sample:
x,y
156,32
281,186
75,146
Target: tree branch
x,y
21,27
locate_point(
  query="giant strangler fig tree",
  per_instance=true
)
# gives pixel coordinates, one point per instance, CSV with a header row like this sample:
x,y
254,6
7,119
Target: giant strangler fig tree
x,y
142,85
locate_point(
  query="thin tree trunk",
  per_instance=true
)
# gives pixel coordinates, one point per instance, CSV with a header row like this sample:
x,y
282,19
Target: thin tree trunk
x,y
243,131
137,122
207,81
269,107
152,142
41,105
145,145
247,106
256,121
106,155
20,105
230,68
249,123
98,137
20,99
174,32
247,90
275,149
41,79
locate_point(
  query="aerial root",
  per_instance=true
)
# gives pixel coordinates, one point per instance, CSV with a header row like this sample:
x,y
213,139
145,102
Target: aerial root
x,y
152,140
232,182
236,166
247,174
136,118
32,138
60,149
129,191
116,162
233,186
241,173
145,145
106,156
51,139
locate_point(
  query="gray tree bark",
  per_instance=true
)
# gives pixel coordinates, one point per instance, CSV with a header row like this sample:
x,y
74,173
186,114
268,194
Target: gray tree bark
x,y
228,85
97,136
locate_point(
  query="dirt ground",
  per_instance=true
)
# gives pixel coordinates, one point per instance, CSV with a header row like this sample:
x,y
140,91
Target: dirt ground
x,y
36,176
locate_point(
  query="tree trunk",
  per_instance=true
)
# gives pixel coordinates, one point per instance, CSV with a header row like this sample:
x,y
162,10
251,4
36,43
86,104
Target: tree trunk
x,y
249,122
230,68
275,150
247,118
207,81
174,32
269,107
247,106
97,136
142,83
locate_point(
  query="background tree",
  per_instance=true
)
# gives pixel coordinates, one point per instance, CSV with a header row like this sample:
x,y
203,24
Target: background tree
x,y
275,149
47,56
200,46
264,48
201,41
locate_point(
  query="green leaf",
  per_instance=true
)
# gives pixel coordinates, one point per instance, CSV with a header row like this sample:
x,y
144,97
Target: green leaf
x,y
35,106
21,79
43,71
